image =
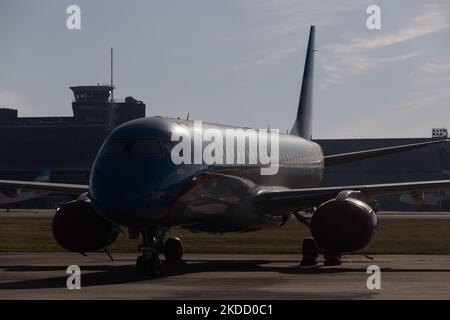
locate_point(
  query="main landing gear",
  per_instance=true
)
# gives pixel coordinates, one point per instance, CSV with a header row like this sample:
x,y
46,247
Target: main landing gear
x,y
173,250
310,249
152,246
311,252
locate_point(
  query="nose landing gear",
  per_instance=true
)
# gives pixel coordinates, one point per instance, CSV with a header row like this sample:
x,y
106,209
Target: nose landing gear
x,y
149,264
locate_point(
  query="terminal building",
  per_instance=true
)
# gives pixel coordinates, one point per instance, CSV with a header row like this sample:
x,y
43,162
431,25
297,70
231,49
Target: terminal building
x,y
67,147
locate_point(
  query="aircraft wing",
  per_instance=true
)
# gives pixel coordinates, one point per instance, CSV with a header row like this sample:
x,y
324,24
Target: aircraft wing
x,y
64,188
330,160
284,201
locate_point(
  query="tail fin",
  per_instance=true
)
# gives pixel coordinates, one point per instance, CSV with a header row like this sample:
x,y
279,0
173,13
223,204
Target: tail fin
x,y
444,159
302,125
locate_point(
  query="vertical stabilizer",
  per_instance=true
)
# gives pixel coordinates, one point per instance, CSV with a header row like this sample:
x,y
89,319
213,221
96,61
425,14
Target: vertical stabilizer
x,y
302,126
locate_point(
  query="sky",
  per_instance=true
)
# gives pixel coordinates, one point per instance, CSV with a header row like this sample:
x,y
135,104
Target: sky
x,y
237,62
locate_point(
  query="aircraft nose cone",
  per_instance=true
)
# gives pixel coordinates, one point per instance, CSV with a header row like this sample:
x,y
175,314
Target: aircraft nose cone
x,y
125,189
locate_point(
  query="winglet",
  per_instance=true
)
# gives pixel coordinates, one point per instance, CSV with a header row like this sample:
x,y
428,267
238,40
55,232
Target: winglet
x,y
302,125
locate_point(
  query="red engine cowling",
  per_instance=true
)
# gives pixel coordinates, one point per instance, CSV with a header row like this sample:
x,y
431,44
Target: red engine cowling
x,y
77,227
344,225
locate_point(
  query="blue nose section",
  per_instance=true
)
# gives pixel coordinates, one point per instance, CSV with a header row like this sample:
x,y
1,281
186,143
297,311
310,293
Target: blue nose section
x,y
125,188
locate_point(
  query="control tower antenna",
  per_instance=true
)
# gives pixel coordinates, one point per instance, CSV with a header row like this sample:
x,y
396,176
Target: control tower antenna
x,y
112,108
112,75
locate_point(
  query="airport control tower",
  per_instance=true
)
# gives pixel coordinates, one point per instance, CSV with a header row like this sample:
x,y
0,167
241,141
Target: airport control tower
x,y
93,104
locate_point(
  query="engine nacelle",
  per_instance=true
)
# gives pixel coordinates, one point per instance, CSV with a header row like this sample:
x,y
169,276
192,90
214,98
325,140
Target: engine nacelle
x,y
344,225
77,227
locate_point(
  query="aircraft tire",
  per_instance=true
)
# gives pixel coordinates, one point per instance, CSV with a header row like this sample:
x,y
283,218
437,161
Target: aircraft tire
x,y
332,259
310,252
173,250
148,266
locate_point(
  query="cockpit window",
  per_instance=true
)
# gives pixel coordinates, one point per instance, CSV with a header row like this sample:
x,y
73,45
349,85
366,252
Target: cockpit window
x,y
135,147
115,146
147,146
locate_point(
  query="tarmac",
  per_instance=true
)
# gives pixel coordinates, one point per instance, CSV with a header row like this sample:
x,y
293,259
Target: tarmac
x,y
31,275
49,213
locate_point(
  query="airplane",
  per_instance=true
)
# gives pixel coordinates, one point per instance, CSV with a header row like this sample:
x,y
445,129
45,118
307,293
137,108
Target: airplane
x,y
135,183
13,195
434,197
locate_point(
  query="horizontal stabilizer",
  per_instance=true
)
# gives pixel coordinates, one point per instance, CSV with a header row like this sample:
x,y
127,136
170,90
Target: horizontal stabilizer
x,y
341,158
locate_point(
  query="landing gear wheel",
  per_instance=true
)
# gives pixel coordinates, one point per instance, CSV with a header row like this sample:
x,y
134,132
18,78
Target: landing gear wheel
x,y
332,259
173,250
148,265
310,252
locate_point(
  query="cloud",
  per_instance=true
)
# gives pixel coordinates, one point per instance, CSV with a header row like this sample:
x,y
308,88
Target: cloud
x,y
266,57
354,64
433,20
436,71
422,107
10,99
280,23
430,86
357,56
290,17
401,119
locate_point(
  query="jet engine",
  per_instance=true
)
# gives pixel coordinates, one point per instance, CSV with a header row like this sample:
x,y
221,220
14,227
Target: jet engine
x,y
344,225
77,227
